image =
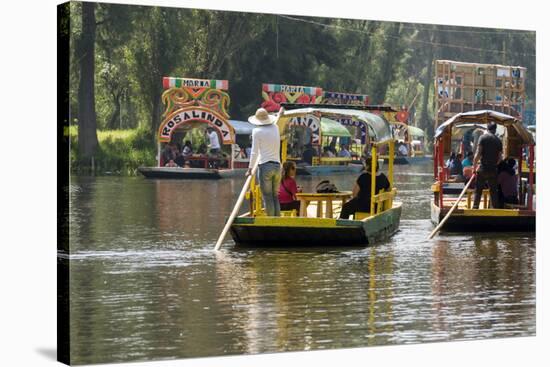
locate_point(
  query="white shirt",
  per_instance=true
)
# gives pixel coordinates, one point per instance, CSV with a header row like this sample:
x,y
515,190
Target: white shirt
x,y
266,144
214,141
344,153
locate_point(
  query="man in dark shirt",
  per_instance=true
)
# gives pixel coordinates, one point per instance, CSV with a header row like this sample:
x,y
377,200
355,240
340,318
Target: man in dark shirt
x,y
362,192
489,153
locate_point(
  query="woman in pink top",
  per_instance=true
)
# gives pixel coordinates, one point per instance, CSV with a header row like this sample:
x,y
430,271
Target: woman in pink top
x,y
288,188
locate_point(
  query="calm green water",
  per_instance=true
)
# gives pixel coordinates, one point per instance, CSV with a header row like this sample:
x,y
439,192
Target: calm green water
x,y
145,283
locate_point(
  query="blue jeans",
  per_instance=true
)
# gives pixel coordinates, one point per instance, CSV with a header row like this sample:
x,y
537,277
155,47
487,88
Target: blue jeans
x,y
269,177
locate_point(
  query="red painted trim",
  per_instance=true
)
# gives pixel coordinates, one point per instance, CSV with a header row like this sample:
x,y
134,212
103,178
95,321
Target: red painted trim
x,y
436,157
531,176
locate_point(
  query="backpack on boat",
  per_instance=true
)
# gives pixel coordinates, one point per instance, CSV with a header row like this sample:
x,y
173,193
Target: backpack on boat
x,y
326,186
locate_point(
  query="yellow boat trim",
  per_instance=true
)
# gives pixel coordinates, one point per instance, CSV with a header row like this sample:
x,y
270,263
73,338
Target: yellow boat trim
x,y
292,222
335,160
490,213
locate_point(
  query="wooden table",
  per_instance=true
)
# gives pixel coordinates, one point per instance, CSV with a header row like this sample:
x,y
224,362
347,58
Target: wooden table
x,y
327,198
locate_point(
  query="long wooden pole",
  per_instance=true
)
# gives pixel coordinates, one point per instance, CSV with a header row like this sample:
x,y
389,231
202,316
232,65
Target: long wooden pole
x,y
237,206
452,209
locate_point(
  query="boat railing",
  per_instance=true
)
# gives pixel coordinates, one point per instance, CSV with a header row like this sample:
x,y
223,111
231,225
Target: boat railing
x,y
335,161
384,200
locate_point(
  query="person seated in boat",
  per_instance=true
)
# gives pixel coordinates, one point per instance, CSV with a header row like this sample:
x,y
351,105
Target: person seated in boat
x,y
202,149
180,159
309,153
288,188
171,163
469,160
507,180
402,150
454,164
187,164
467,173
362,191
344,152
187,149
327,152
168,153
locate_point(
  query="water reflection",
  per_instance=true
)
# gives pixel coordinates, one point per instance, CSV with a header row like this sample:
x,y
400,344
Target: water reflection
x,y
145,283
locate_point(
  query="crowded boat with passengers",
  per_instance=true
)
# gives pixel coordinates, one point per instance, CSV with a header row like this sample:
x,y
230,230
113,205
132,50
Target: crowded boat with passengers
x,y
489,158
196,138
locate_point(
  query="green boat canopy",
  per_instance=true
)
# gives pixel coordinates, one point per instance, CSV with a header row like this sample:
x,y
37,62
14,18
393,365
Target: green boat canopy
x,y
378,128
415,131
333,128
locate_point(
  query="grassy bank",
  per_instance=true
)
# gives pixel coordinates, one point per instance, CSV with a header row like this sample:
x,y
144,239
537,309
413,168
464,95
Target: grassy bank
x,y
119,152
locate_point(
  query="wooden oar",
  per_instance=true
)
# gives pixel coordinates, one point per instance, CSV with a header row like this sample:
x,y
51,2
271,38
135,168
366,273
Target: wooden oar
x,y
237,206
452,209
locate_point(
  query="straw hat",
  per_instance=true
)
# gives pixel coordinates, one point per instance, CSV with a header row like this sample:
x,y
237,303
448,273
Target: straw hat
x,y
262,118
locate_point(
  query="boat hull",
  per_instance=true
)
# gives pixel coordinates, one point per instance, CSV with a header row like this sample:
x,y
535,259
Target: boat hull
x,y
296,231
189,173
485,220
410,160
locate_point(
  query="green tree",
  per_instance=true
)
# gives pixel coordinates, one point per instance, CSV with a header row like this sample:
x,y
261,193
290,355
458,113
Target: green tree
x,y
85,53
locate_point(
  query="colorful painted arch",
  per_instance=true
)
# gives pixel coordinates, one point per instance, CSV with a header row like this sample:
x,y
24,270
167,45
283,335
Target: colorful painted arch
x,y
193,114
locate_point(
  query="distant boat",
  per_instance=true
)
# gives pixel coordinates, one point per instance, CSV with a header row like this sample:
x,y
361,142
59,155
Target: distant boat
x,y
189,106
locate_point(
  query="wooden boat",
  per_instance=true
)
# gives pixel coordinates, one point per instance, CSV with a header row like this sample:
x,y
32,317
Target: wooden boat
x,y
254,228
194,104
411,136
516,141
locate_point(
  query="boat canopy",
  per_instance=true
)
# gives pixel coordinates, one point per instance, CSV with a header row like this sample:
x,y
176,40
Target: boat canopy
x,y
412,130
459,130
242,127
415,131
379,129
333,128
513,126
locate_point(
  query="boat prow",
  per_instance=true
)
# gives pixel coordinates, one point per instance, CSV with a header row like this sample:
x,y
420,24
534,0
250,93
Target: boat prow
x,y
485,220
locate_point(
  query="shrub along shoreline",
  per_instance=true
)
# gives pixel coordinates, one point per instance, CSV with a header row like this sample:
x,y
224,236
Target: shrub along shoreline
x,y
119,152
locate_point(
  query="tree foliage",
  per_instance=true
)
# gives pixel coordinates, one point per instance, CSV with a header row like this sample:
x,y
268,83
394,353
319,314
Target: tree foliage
x,y
135,46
